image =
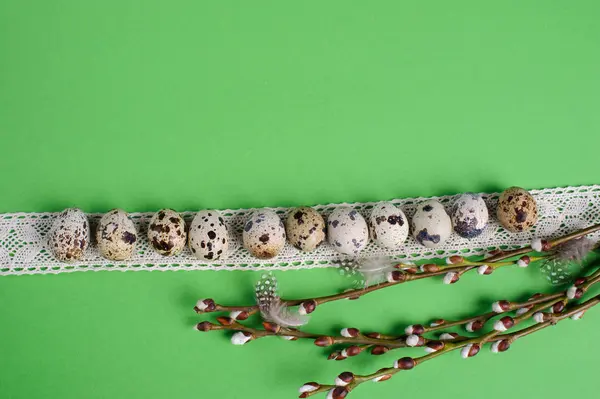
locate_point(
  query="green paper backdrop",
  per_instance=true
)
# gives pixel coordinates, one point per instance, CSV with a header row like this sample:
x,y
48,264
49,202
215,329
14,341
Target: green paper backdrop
x,y
196,104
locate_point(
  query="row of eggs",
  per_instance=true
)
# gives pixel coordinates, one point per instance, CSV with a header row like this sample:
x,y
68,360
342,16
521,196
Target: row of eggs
x,y
264,234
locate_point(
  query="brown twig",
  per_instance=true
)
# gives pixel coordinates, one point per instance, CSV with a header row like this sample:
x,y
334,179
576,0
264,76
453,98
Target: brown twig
x,y
347,381
457,265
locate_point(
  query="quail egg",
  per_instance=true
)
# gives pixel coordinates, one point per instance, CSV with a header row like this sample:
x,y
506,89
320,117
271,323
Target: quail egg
x,y
469,215
305,228
208,236
517,210
264,234
431,224
347,231
166,232
69,235
388,225
116,235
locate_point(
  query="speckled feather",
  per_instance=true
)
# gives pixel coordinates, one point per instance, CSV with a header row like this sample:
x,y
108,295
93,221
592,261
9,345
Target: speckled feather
x,y
566,260
272,308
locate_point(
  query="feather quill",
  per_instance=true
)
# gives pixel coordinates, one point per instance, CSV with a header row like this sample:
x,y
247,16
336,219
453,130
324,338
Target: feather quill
x,y
272,308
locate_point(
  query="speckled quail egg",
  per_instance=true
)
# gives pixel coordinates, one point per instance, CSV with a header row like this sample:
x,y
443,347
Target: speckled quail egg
x,y
116,235
431,224
69,235
264,234
388,225
208,236
166,232
469,215
347,231
305,228
517,210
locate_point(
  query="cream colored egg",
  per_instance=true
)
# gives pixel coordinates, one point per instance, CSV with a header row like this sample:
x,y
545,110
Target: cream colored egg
x,y
208,236
305,228
264,234
388,225
469,215
347,231
517,210
431,224
69,235
116,235
166,232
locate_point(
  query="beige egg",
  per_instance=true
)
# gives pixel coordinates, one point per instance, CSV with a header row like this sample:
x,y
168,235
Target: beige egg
x,y
166,232
264,234
517,210
69,235
305,228
116,235
208,236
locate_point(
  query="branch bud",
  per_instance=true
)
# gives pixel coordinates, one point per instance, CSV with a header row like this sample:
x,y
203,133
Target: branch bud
x,y
451,278
241,337
375,335
344,379
540,317
558,307
379,350
350,332
405,363
307,307
324,341
522,311
309,387
580,281
437,322
416,329
454,259
448,336
414,340
434,346
504,323
204,326
381,378
205,305
578,315
473,326
501,306
225,321
351,351
429,268
500,346
524,261
469,351
352,298
396,276
536,244
289,338
271,327
337,393
485,270
239,315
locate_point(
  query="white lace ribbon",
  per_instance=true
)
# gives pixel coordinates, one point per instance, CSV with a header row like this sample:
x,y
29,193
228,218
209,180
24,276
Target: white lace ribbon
x,y
24,248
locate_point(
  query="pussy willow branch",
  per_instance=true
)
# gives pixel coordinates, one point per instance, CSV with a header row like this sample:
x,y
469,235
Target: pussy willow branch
x,y
458,266
347,381
380,343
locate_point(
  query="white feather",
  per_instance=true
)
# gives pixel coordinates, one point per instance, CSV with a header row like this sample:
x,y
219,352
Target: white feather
x,y
272,308
374,270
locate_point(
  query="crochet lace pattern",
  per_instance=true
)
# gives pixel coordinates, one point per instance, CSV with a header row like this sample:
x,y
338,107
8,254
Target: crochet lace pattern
x,y
24,248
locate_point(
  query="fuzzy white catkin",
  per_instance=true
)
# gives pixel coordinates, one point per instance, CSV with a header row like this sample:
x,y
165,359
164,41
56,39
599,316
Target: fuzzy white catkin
x,y
239,338
330,394
571,292
340,383
494,346
409,330
234,315
307,388
345,333
446,337
449,277
482,269
201,305
497,308
522,263
577,315
412,340
469,326
499,326
521,311
288,337
538,317
464,352
536,244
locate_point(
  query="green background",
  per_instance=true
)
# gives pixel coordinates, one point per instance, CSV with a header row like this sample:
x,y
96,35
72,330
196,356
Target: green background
x,y
196,104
